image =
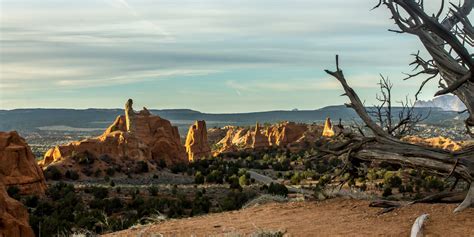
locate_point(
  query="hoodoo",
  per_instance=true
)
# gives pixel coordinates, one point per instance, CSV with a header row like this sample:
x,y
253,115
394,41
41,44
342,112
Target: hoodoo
x,y
328,129
197,145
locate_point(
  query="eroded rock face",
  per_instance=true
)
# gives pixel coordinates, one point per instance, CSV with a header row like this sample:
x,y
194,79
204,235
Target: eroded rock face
x,y
282,135
134,137
259,140
196,141
436,142
13,216
18,165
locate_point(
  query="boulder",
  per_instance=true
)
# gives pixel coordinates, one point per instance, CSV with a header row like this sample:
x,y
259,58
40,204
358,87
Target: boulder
x,y
18,165
196,141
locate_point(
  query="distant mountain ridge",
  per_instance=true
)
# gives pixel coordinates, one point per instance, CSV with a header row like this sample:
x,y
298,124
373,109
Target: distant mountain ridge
x,y
33,119
445,102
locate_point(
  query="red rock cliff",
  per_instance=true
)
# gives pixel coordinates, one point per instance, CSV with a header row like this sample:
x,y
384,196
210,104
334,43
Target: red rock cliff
x,y
18,165
13,216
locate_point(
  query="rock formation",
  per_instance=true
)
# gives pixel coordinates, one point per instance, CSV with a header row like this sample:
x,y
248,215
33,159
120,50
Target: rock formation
x,y
214,135
13,216
133,137
282,135
259,140
328,128
436,142
129,116
196,141
18,165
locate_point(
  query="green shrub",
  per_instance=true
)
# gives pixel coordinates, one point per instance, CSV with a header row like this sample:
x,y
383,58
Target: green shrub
x,y
141,167
277,189
387,191
153,190
53,173
71,174
243,181
392,179
198,178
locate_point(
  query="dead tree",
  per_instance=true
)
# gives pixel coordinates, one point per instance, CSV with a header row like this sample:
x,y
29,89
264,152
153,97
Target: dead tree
x,y
446,39
384,147
385,112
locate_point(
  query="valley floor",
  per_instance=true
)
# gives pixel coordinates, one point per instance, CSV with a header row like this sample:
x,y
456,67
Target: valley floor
x,y
335,217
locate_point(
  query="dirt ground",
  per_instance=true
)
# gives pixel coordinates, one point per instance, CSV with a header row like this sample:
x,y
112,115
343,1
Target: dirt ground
x,y
335,217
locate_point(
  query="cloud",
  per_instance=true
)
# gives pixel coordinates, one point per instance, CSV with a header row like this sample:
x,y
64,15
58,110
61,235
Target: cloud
x,y
301,85
90,44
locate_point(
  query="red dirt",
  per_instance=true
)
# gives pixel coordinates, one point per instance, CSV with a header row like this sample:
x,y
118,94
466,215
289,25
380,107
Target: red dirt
x,y
335,217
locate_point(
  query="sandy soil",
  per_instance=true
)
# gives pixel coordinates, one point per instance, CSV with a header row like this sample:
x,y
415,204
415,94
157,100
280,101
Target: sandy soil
x,y
335,217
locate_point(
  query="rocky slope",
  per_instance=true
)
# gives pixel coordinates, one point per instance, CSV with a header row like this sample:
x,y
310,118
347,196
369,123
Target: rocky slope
x,y
282,135
18,165
134,142
197,145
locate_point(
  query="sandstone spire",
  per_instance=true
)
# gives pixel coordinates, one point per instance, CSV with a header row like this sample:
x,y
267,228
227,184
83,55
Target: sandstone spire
x,y
259,140
328,131
129,116
196,141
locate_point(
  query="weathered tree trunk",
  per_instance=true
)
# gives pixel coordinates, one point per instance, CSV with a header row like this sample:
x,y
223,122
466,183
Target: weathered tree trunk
x,y
384,147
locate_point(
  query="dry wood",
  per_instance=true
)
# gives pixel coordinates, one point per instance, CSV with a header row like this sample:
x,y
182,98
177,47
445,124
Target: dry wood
x,y
386,148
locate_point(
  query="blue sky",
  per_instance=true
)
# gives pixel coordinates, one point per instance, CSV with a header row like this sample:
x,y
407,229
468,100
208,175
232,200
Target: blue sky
x,y
207,55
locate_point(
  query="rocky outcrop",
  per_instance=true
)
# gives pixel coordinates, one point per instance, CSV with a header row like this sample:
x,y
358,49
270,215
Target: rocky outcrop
x,y
196,141
18,165
134,137
328,128
214,135
282,135
13,216
436,142
258,139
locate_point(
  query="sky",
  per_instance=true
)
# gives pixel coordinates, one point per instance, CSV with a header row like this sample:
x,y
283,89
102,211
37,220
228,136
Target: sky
x,y
216,56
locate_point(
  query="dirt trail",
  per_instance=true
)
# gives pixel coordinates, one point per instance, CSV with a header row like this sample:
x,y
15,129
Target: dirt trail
x,y
335,217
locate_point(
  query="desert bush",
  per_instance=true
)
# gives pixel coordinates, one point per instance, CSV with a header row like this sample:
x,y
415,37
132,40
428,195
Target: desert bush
x,y
141,167
153,190
387,191
201,204
392,179
277,189
53,173
71,174
198,178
